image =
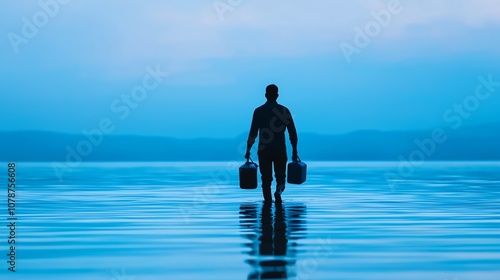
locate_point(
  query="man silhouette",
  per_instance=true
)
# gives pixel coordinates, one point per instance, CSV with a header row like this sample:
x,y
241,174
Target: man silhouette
x,y
270,122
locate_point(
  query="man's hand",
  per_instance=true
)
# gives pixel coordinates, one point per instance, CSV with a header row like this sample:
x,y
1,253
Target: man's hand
x,y
295,156
247,155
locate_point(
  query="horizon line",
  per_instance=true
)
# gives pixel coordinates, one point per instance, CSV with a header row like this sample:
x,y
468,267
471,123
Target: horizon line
x,y
238,135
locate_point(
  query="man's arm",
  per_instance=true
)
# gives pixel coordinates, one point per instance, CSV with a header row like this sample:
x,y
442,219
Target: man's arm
x,y
292,132
254,130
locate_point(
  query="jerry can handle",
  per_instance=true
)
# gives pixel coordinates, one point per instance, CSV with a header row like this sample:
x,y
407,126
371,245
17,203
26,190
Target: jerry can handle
x,y
249,161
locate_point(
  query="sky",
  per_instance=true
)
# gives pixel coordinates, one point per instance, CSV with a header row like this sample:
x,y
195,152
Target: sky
x,y
199,68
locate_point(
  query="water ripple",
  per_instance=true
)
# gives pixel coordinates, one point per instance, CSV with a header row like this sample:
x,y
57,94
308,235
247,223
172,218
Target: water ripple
x,y
179,221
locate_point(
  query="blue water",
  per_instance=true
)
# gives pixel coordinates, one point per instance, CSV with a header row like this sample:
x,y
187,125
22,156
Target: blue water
x,y
124,221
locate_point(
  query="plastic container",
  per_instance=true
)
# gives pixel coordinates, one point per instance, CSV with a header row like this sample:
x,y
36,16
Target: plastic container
x,y
248,175
297,172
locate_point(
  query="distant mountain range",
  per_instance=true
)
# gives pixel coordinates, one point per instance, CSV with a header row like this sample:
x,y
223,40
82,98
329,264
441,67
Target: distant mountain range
x,y
466,143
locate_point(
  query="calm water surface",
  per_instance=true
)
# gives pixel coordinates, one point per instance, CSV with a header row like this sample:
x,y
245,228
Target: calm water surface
x,y
124,221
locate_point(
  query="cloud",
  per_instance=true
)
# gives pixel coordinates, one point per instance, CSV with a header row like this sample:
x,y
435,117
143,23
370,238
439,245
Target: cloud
x,y
94,51
123,36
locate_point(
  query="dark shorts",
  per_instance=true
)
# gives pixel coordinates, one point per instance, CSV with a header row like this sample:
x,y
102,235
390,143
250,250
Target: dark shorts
x,y
267,159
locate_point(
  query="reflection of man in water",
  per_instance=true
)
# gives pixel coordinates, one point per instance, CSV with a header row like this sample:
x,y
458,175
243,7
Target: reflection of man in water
x,y
270,121
272,255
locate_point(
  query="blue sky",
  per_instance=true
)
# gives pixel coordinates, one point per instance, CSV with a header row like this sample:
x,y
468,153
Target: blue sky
x,y
87,54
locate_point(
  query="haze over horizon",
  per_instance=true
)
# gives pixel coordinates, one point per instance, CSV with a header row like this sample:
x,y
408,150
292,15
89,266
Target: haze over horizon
x,y
73,72
493,125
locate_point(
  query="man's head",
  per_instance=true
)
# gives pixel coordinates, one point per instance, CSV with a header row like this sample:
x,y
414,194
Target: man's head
x,y
272,92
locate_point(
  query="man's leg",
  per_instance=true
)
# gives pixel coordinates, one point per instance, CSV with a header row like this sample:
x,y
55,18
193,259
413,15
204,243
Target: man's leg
x,y
280,160
266,170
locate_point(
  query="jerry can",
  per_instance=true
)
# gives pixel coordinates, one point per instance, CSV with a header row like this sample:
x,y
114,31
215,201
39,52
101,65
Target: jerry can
x,y
248,175
297,171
